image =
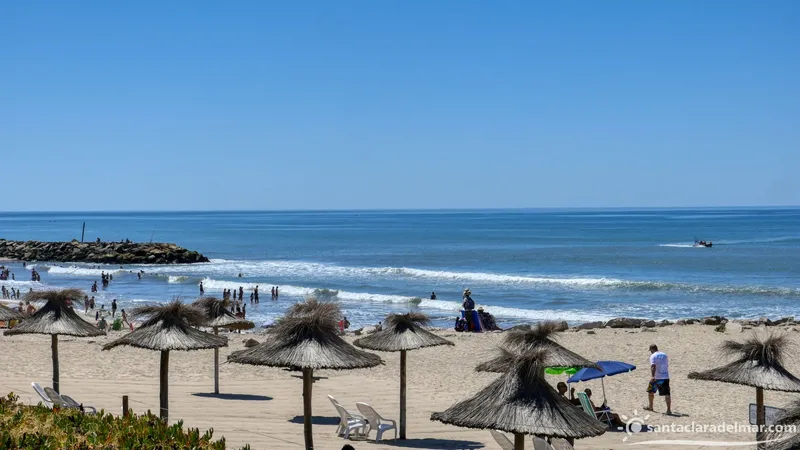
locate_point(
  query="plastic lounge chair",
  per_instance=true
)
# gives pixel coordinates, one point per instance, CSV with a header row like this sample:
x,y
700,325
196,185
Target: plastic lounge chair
x,y
502,440
45,398
58,400
70,401
561,444
376,422
348,420
540,444
587,407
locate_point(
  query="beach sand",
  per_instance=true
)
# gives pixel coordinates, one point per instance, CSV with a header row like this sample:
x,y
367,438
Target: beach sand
x,y
263,406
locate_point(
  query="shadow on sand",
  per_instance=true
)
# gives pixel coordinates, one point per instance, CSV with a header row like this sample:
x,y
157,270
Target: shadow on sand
x,y
244,397
314,379
317,420
431,443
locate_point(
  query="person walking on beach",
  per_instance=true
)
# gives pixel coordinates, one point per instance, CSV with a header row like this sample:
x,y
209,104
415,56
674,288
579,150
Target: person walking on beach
x,y
113,308
659,378
125,319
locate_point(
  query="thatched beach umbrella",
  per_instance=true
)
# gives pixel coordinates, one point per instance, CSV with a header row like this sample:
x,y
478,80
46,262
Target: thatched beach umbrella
x,y
55,318
169,327
522,402
306,339
403,332
785,435
757,362
7,314
218,316
525,338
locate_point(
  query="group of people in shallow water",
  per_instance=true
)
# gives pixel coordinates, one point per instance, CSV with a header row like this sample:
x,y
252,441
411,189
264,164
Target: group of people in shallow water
x,y
5,274
12,294
239,295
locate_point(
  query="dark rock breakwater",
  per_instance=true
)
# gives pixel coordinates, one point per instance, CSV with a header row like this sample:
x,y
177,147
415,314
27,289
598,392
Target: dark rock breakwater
x,y
100,252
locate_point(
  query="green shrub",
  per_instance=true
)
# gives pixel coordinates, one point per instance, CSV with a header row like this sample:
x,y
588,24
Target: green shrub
x,y
39,428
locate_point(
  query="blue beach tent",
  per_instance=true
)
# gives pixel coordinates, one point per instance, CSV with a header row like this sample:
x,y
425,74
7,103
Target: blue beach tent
x,y
609,368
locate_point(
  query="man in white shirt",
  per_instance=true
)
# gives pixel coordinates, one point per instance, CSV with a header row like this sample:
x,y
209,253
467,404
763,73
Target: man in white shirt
x,y
659,378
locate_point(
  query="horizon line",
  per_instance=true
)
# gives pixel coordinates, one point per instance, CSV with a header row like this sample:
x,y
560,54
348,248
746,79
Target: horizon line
x,y
519,209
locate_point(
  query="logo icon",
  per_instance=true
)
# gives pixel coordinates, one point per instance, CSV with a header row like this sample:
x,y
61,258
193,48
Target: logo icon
x,y
633,425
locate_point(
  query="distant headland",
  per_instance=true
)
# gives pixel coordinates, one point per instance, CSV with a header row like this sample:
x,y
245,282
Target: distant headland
x,y
125,252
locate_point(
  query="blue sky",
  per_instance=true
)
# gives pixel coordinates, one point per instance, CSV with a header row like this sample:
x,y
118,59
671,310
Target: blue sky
x,y
154,105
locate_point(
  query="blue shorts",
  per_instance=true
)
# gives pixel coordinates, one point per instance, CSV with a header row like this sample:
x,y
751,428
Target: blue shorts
x,y
660,386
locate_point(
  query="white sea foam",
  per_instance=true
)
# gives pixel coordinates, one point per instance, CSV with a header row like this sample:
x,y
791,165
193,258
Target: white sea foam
x,y
297,291
267,270
18,284
177,279
677,245
298,269
81,271
443,305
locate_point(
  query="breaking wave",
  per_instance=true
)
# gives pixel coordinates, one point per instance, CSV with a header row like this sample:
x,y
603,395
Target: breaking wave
x,y
442,305
81,271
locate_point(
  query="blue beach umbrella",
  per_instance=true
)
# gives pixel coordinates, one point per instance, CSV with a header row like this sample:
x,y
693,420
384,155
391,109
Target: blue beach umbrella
x,y
609,368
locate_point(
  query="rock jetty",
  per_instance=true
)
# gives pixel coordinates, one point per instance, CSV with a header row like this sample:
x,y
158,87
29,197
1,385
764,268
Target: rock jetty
x,y
99,252
718,321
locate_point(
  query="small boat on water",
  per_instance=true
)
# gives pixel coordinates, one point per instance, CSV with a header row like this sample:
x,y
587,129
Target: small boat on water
x,y
703,244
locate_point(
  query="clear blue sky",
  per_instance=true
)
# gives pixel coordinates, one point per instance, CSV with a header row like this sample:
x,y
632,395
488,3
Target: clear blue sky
x,y
152,105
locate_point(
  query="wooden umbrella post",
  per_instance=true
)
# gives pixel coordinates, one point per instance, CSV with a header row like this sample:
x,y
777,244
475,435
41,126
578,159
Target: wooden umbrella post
x,y
760,416
54,348
308,380
519,441
216,364
402,394
164,393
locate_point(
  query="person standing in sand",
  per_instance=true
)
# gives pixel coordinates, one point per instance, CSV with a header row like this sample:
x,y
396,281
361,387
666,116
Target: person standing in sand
x,y
659,378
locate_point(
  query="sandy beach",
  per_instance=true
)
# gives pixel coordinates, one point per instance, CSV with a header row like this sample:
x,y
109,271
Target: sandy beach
x,y
263,406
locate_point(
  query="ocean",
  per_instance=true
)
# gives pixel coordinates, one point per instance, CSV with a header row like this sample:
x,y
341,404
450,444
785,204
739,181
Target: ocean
x,y
521,265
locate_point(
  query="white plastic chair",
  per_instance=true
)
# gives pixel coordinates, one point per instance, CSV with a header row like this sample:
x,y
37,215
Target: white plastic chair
x,y
502,440
377,422
349,424
540,444
561,444
348,421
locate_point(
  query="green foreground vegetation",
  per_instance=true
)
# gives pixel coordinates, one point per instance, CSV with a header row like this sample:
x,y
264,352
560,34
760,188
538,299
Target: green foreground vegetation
x,y
39,428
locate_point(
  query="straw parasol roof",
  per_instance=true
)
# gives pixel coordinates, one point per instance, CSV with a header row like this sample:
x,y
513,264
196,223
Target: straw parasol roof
x,y
219,316
169,327
55,317
522,402
525,338
782,436
306,338
758,362
402,332
7,313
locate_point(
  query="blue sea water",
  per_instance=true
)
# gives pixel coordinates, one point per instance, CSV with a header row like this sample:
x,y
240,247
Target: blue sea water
x,y
521,265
